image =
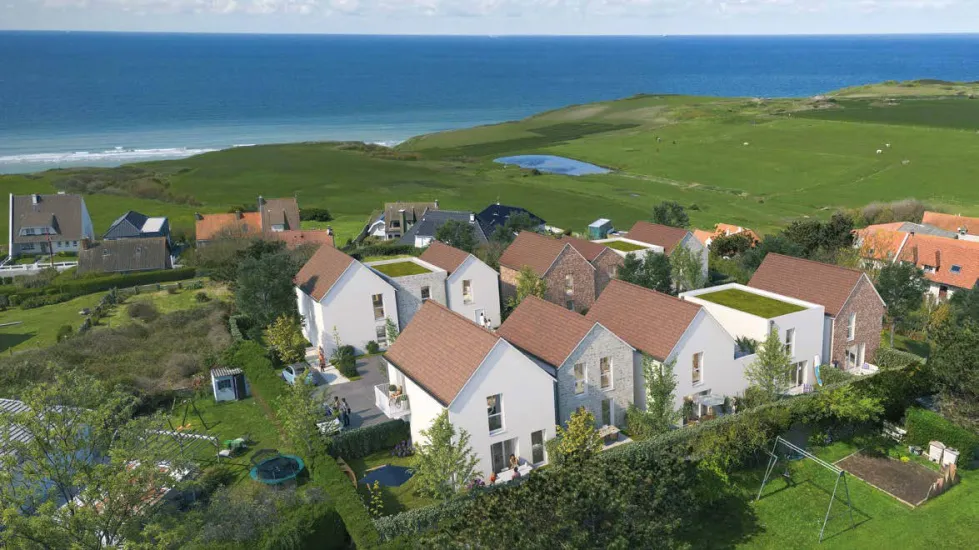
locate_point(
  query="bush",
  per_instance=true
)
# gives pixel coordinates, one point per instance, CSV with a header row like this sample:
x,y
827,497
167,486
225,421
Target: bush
x,y
202,297
924,426
360,442
888,358
64,332
238,325
360,252
315,214
144,311
372,347
345,360
96,283
638,423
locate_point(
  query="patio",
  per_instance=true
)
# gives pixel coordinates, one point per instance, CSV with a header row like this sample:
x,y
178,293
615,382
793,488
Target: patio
x,y
358,393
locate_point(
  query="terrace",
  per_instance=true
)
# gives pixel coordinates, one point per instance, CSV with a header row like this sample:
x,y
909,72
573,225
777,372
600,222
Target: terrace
x,y
751,303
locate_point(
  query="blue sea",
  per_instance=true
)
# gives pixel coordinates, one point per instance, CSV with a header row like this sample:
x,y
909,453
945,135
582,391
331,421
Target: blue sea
x,y
109,98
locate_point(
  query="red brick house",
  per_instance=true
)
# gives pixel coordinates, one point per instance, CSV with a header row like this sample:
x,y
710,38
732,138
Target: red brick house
x,y
576,271
854,310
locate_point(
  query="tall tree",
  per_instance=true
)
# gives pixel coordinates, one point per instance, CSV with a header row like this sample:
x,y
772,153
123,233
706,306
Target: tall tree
x,y
265,290
902,286
654,272
814,235
528,284
578,441
779,244
955,363
769,373
727,246
285,337
460,234
670,213
661,385
687,269
299,412
514,224
445,463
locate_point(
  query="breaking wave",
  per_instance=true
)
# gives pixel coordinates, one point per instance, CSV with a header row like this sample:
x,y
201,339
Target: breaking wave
x,y
119,154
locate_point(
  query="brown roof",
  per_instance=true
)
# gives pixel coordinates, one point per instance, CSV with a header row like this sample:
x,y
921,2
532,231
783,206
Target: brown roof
x,y
647,320
881,242
442,255
413,211
825,284
125,255
322,271
653,233
63,212
280,212
532,250
587,249
212,226
545,330
440,350
941,253
294,239
952,222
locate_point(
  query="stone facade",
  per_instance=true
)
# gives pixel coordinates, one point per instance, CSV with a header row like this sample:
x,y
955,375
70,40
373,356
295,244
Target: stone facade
x,y
508,283
582,273
599,343
606,265
408,290
870,312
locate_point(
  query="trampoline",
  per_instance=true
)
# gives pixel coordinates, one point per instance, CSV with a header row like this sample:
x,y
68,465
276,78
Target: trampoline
x,y
388,475
272,468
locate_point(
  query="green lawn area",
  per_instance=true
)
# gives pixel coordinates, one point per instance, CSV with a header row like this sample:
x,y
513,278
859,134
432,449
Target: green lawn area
x,y
396,499
39,326
762,306
624,246
903,343
401,269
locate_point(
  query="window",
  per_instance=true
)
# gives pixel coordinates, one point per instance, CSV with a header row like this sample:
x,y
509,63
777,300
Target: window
x,y
569,304
956,269
224,384
395,223
790,341
605,370
426,293
537,447
611,270
27,246
494,412
74,243
27,231
798,375
378,301
382,335
698,367
928,268
467,291
579,378
500,454
569,284
606,412
851,326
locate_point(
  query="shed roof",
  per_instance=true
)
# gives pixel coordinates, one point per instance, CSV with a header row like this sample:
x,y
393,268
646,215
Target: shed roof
x,y
125,255
221,372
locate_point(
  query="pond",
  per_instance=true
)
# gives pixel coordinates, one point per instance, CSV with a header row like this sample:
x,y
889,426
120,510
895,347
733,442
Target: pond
x,y
554,165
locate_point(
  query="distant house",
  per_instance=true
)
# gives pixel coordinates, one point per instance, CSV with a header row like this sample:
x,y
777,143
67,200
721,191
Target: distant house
x,y
668,238
235,225
497,215
576,271
723,230
472,288
422,234
274,219
503,399
133,225
965,227
41,224
397,218
279,214
125,255
592,367
853,308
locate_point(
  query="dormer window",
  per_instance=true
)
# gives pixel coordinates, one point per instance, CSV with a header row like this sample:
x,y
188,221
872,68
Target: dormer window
x,y
928,268
956,269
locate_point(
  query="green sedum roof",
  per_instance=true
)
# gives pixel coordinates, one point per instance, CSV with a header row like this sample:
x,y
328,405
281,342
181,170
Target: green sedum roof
x,y
401,269
624,246
748,302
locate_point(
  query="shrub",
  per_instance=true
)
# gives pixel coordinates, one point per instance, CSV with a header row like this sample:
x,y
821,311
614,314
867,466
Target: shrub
x,y
315,214
360,442
345,360
171,290
202,297
372,347
144,311
638,423
924,426
64,332
888,358
237,324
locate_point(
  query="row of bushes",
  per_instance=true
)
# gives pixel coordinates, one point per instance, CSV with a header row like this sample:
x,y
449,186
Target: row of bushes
x,y
63,285
361,442
234,326
890,358
363,251
924,426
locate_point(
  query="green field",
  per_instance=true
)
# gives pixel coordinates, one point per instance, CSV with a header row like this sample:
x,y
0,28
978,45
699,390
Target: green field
x,y
755,163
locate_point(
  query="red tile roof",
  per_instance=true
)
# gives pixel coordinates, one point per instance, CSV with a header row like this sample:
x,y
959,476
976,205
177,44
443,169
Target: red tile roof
x,y
212,226
825,284
587,249
545,330
294,239
532,250
881,242
653,233
952,222
322,271
442,255
942,254
440,350
647,320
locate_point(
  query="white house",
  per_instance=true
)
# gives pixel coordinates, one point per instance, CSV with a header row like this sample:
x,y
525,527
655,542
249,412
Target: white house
x,y
504,400
668,239
41,224
472,288
752,313
414,281
339,295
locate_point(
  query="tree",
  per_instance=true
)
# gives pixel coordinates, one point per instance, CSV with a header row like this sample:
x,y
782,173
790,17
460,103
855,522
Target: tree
x,y
966,305
285,337
779,244
460,234
516,223
902,286
727,246
391,330
528,284
264,289
955,363
661,385
299,411
670,213
769,373
445,463
654,272
814,235
81,479
579,441
686,269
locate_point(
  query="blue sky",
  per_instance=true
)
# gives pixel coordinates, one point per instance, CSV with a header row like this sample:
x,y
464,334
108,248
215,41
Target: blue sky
x,y
497,16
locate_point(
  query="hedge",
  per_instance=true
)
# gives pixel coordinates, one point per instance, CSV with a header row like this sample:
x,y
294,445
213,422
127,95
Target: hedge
x,y
361,252
234,328
419,520
889,358
924,426
360,442
67,288
253,359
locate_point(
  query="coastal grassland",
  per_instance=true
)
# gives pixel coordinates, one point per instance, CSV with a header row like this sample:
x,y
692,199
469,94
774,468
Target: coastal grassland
x,y
38,327
959,112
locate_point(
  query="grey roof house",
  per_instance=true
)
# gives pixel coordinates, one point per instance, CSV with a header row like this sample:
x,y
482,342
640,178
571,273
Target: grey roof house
x,y
423,233
132,225
497,215
125,256
40,224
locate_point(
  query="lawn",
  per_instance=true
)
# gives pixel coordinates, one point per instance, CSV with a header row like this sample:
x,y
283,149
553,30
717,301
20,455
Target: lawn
x,y
401,269
762,306
39,326
903,343
396,499
624,246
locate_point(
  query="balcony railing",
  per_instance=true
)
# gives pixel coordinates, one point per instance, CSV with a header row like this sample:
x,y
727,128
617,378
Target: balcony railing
x,y
391,405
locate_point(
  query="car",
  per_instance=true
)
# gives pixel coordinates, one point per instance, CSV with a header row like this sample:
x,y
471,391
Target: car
x,y
292,372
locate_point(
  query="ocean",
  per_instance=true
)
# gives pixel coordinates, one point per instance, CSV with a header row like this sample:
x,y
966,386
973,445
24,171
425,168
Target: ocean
x,y
102,99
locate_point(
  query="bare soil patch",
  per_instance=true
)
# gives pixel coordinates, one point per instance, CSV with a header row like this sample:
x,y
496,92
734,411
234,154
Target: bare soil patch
x,y
908,482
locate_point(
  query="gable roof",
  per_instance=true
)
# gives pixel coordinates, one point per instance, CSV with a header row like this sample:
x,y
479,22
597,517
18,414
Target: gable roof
x,y
442,255
825,284
135,219
134,224
702,236
62,212
294,239
532,250
432,220
647,320
588,249
245,224
654,233
952,222
322,271
440,350
910,227
124,255
496,215
16,433
413,211
881,242
941,254
545,330
279,212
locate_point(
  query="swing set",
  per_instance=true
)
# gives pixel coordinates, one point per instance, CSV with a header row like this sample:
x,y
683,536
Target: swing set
x,y
793,452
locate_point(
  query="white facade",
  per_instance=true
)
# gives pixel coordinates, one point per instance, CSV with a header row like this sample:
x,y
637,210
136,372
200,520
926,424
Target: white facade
x,y
483,300
348,307
647,247
526,393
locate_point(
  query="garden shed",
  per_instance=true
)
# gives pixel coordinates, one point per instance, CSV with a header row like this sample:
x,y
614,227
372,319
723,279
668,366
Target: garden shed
x,y
599,229
228,384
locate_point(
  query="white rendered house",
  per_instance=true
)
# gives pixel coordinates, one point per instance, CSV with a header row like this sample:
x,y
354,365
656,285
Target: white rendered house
x,y
503,399
472,288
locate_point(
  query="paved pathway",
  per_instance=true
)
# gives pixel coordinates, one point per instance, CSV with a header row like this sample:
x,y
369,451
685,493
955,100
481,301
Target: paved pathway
x,y
358,393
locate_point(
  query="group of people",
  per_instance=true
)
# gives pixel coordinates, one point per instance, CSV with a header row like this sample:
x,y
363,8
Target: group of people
x,y
514,466
342,410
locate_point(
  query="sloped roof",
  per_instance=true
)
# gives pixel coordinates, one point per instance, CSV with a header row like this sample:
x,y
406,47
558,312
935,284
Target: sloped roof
x,y
532,250
942,254
654,233
702,235
440,350
434,219
952,222
587,249
219,372
16,434
124,255
294,239
911,227
825,284
63,212
647,320
413,211
322,271
545,330
442,255
496,215
135,218
280,212
880,242
212,226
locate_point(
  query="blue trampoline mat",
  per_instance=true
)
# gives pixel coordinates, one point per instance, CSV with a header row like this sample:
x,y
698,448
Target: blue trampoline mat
x,y
388,476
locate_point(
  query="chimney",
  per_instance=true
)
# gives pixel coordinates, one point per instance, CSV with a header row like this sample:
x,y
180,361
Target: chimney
x,y
198,216
914,254
261,202
404,218
85,243
238,214
938,260
472,218
35,198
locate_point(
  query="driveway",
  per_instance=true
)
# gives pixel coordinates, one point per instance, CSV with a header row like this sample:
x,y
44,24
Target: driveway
x,y
359,393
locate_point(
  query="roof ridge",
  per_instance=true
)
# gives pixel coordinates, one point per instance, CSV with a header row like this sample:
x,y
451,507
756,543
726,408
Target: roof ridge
x,y
663,294
464,318
840,267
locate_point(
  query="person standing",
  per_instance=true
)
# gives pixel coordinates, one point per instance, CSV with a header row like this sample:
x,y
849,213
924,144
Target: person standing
x,y
346,412
336,406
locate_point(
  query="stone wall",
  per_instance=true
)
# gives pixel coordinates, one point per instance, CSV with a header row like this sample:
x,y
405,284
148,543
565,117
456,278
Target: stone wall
x,y
606,265
570,262
870,312
409,292
599,343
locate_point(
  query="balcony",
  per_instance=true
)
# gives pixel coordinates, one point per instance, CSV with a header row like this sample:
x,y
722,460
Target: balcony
x,y
393,404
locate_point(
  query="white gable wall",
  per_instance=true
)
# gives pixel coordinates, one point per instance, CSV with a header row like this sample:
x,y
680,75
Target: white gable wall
x,y
720,373
485,290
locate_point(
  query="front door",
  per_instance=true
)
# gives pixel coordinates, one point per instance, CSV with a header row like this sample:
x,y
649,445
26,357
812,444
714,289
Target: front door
x,y
852,354
608,410
481,316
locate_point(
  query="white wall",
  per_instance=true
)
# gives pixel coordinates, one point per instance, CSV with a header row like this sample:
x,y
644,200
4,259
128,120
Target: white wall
x,y
720,372
424,408
528,403
485,290
697,247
